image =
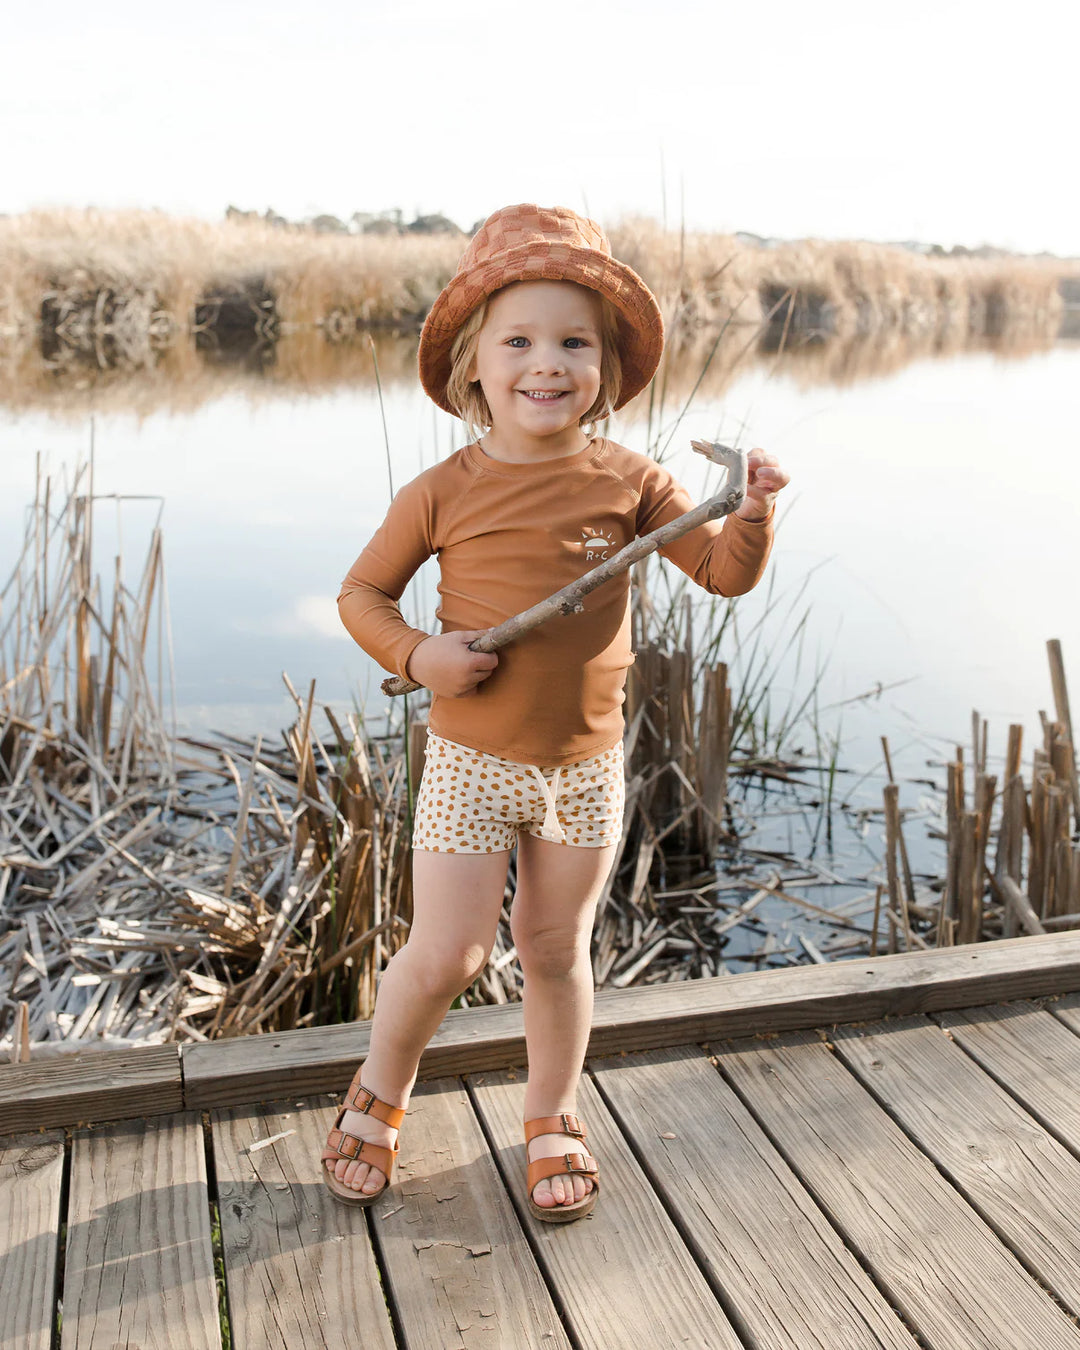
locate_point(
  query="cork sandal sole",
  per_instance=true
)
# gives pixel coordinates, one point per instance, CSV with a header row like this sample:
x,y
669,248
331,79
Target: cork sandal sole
x,y
563,1213
347,1196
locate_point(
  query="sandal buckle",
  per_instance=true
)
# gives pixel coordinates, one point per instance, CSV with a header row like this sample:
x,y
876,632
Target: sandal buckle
x,y
371,1100
571,1166
349,1146
572,1125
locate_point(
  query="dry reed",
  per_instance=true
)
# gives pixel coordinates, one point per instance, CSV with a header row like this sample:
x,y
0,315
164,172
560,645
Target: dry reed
x,y
1012,855
155,886
83,294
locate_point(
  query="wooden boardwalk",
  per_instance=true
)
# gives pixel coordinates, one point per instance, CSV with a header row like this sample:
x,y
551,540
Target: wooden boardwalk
x,y
903,1182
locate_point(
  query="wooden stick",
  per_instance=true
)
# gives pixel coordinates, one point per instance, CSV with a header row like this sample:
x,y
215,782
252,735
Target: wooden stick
x,y
905,864
1012,756
1018,903
877,915
568,600
1060,688
1064,716
897,898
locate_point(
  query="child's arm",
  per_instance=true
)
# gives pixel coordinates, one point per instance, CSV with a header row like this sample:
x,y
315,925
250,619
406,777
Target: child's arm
x,y
368,603
728,556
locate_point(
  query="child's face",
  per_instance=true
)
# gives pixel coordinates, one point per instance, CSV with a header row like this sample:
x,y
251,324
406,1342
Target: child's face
x,y
538,363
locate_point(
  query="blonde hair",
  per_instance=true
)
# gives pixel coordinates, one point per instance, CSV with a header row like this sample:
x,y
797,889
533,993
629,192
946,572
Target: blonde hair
x,y
467,399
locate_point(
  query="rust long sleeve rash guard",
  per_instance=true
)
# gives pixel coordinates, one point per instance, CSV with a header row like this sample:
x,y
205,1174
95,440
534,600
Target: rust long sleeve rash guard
x,y
509,535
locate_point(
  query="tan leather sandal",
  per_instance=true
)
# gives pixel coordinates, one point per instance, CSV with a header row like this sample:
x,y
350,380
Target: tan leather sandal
x,y
580,1163
340,1144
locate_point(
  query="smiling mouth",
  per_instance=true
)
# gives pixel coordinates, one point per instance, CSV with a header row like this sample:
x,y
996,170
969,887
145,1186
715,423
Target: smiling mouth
x,y
544,395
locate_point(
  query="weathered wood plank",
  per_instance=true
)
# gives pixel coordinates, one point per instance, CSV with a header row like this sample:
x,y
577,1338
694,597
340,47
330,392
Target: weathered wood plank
x,y
139,1266
1031,1053
299,1266
623,1275
1014,1173
31,1176
90,1085
731,1194
473,1040
937,1261
246,1069
457,1265
1067,1009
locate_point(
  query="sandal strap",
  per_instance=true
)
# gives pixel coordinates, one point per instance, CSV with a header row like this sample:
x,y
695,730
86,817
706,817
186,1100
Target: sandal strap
x,y
341,1144
566,1123
360,1098
576,1164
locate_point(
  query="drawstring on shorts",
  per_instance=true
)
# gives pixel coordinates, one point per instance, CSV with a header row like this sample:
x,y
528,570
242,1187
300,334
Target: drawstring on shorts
x,y
551,823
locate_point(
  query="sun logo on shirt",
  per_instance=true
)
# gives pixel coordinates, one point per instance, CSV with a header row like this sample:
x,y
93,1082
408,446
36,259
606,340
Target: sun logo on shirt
x,y
597,544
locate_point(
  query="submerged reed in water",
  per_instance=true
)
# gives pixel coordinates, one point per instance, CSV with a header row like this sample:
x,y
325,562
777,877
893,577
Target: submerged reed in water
x,y
1012,853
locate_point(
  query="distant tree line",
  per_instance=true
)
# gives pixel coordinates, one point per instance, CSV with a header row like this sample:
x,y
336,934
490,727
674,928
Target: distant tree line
x,y
360,222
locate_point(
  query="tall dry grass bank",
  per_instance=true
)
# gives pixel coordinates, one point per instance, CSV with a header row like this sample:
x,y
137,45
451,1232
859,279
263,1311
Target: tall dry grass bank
x,y
139,299
842,287
145,269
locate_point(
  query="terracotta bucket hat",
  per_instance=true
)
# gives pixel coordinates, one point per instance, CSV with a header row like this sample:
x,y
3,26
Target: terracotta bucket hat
x,y
534,243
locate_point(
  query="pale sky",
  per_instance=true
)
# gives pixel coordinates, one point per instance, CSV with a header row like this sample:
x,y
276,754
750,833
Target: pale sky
x,y
933,120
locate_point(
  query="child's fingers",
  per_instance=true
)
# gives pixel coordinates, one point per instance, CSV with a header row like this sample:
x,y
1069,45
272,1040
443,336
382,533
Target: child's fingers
x,y
765,473
485,661
758,460
479,665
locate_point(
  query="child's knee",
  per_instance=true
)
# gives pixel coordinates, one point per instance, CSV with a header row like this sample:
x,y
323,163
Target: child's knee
x,y
551,953
445,971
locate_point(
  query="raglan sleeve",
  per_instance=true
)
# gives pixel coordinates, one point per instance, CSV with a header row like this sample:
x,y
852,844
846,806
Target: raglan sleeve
x,y
368,602
726,556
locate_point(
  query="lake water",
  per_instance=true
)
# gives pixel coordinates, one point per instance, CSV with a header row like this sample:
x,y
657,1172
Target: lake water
x,y
933,516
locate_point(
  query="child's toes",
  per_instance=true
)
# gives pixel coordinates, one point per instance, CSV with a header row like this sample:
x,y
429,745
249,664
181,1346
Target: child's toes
x,y
355,1175
542,1194
373,1181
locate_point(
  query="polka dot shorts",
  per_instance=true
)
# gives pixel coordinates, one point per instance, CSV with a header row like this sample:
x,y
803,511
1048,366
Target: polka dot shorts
x,y
470,802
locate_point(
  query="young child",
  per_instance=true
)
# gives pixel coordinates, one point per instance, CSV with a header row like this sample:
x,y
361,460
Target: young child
x,y
539,336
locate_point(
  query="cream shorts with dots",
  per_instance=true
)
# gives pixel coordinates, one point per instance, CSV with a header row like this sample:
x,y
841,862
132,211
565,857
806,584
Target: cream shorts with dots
x,y
470,802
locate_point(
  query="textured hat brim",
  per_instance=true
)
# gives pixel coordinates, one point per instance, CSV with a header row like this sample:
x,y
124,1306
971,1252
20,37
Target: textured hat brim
x,y
641,325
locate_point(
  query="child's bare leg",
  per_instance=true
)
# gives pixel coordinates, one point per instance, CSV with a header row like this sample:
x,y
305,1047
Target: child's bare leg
x,y
456,902
551,921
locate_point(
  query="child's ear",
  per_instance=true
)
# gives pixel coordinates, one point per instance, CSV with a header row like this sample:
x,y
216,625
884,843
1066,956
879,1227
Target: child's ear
x,y
470,374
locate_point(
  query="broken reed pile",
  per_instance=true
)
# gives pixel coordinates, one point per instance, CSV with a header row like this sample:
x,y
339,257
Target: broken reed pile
x,y
155,886
1012,861
119,287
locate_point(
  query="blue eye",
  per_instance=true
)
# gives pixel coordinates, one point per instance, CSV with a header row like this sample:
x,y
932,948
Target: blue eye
x,y
574,343
518,342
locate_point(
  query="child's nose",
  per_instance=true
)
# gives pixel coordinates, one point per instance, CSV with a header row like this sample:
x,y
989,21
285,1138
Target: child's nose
x,y
548,356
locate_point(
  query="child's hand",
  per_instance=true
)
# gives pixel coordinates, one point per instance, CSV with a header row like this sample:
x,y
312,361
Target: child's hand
x,y
445,665
765,478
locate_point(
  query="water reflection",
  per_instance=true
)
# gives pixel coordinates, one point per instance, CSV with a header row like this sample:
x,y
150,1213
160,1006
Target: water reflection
x,y
75,370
